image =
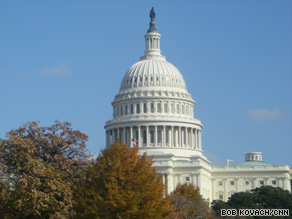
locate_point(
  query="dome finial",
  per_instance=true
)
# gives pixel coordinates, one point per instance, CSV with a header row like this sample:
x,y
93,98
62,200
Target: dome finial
x,y
152,22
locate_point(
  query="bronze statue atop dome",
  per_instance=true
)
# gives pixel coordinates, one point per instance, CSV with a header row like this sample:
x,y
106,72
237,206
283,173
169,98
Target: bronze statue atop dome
x,y
152,22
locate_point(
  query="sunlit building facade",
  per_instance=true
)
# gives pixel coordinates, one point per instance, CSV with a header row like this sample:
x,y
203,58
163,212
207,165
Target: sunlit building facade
x,y
154,112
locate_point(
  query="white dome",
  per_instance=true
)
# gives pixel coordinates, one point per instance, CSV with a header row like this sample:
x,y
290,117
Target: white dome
x,y
154,72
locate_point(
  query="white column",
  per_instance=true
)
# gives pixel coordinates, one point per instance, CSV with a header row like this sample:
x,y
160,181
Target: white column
x,y
147,135
139,136
131,136
164,136
171,139
187,137
179,137
114,135
192,138
196,138
155,135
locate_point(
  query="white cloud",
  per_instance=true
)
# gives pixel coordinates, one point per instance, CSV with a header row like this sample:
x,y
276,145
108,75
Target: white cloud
x,y
59,70
264,115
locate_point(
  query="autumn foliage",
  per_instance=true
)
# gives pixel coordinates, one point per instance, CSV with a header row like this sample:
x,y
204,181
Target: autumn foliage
x,y
38,168
121,184
188,203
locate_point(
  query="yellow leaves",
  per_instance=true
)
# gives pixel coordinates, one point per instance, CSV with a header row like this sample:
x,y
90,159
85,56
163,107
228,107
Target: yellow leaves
x,y
39,173
126,185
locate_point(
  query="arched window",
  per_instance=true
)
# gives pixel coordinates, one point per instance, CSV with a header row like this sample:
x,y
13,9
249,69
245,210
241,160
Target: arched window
x,y
159,107
172,107
165,108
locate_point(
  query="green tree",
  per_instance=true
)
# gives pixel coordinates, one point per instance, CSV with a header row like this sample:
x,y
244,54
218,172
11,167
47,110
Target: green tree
x,y
38,166
189,203
217,205
121,184
265,197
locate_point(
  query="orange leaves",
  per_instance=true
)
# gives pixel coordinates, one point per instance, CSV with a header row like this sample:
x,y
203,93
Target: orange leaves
x,y
126,185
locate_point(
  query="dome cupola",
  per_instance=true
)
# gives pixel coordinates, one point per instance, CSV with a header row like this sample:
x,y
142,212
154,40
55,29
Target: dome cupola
x,y
153,109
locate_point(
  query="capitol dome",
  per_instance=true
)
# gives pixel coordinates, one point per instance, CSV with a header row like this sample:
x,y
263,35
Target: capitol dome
x,y
153,72
153,109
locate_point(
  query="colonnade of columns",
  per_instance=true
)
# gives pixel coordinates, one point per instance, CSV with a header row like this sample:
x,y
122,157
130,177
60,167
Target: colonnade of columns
x,y
156,136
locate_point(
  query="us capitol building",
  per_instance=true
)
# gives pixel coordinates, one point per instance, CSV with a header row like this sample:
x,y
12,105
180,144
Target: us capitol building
x,y
154,112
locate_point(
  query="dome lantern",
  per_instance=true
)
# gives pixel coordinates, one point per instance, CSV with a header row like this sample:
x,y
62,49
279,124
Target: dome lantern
x,y
152,41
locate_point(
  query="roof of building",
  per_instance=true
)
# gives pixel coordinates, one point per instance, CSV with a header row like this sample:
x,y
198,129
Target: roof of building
x,y
253,163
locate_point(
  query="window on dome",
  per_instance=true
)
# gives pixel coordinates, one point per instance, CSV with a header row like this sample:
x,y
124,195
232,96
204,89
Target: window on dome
x,y
165,107
132,108
152,136
121,110
172,107
152,107
159,136
140,79
145,107
118,113
144,137
126,109
183,109
159,107
151,78
177,108
135,79
157,78
146,78
138,108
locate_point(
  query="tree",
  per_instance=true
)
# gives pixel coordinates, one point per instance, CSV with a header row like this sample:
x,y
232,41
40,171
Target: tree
x,y
217,205
189,203
38,166
121,184
265,197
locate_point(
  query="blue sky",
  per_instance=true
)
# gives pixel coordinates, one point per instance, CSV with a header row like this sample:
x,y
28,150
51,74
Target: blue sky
x,y
65,60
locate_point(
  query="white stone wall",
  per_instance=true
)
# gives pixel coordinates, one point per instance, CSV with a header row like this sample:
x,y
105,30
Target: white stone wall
x,y
230,179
